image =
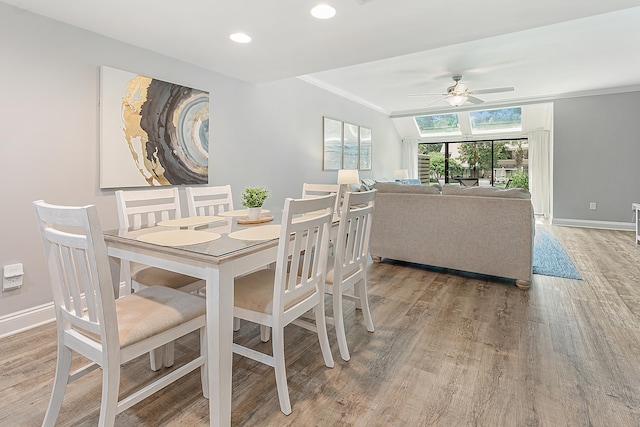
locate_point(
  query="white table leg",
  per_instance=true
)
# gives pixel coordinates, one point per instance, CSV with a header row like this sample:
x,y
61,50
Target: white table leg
x,y
219,340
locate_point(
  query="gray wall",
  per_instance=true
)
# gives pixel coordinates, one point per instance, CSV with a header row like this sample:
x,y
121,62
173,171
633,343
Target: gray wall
x,y
596,157
269,134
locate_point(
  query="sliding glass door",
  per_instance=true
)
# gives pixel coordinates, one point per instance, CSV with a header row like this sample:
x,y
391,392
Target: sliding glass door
x,y
490,163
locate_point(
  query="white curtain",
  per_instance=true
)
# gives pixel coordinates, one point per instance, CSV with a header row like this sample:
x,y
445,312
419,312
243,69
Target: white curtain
x,y
539,171
410,156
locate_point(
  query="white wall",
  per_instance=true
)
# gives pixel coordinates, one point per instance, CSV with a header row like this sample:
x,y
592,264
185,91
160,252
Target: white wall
x,y
269,134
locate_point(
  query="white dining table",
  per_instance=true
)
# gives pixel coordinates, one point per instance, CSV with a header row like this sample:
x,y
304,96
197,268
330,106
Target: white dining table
x,y
218,262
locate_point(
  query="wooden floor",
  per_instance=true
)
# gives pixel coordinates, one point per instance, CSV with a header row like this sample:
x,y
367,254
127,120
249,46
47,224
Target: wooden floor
x,y
448,350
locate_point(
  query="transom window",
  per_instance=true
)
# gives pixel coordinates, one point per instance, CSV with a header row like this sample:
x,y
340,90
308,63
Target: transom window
x,y
497,120
438,125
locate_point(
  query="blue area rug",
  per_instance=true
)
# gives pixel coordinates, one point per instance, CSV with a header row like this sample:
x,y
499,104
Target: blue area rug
x,y
550,258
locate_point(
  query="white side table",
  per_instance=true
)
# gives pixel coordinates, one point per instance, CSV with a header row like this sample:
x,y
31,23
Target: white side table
x,y
636,214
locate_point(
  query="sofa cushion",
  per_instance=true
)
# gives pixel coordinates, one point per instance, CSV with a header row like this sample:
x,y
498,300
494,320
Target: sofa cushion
x,y
395,187
484,191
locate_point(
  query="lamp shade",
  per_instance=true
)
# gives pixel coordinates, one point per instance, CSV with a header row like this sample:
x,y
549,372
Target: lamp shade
x,y
348,176
400,174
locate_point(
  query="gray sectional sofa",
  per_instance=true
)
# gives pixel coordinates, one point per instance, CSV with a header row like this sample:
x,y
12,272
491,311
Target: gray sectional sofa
x,y
483,230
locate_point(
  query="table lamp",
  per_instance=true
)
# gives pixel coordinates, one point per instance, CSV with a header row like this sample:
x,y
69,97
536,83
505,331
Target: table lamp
x,y
346,177
400,174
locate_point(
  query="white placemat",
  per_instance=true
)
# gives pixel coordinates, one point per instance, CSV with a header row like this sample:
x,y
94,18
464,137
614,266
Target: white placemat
x,y
190,221
240,212
178,237
263,232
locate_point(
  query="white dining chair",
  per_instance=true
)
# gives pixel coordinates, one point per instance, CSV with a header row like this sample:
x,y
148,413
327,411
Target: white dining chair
x,y
310,190
209,200
212,200
348,266
276,298
92,322
146,208
142,208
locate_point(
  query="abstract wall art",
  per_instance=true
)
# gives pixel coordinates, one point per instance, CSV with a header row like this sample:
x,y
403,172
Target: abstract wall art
x,y
152,132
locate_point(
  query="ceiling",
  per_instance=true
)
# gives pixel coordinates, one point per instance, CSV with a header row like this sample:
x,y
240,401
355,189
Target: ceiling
x,y
379,51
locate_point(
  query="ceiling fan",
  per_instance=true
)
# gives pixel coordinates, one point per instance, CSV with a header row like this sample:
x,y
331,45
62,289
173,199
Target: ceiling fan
x,y
459,93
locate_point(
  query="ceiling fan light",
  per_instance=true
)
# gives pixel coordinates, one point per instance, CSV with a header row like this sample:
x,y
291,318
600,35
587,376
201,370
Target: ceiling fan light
x,y
457,100
323,11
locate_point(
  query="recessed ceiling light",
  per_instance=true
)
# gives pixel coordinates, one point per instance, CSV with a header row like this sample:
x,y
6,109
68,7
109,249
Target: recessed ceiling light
x,y
323,11
240,38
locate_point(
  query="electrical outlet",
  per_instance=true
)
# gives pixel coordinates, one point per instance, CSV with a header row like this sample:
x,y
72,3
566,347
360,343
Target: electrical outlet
x,y
592,206
12,277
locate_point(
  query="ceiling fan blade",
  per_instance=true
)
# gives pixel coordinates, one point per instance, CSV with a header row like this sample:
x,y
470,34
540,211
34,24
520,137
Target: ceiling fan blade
x,y
494,90
426,94
433,102
474,100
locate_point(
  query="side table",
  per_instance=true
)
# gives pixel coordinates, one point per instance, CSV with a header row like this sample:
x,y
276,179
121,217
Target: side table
x,y
636,215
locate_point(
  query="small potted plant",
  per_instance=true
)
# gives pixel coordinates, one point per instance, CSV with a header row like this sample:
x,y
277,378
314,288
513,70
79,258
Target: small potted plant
x,y
252,199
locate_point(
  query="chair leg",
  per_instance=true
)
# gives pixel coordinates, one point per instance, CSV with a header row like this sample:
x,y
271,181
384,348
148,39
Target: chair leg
x,y
361,288
338,320
63,369
204,370
358,295
155,358
265,332
277,341
168,357
110,386
236,324
321,326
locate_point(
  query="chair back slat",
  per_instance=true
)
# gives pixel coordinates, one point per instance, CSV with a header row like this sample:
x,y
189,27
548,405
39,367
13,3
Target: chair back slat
x,y
209,200
352,242
316,190
140,208
78,268
302,247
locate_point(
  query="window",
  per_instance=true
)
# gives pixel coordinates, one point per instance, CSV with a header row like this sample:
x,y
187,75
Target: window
x,y
498,163
498,120
438,125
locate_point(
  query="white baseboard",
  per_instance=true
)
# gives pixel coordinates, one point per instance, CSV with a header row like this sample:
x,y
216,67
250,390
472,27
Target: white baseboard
x,y
605,225
26,319
30,318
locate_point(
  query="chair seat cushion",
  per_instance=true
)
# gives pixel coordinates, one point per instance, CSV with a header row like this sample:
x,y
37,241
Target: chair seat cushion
x,y
254,292
153,310
152,276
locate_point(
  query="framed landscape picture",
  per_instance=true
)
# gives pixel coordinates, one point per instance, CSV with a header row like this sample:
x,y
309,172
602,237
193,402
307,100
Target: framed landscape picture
x,y
332,136
345,145
350,147
152,132
365,149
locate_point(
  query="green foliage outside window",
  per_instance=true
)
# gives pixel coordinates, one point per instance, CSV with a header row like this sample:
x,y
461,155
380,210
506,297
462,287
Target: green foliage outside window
x,y
436,166
520,180
478,155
